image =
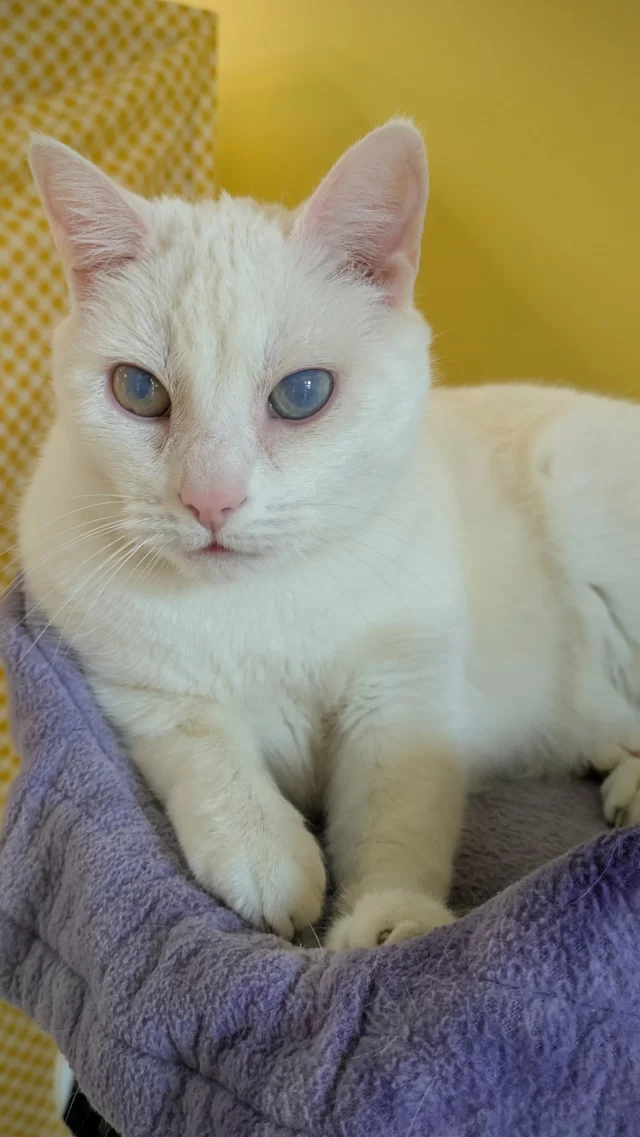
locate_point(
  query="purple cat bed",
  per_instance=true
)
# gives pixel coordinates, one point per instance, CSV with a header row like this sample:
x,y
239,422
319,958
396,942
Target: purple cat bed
x,y
521,1019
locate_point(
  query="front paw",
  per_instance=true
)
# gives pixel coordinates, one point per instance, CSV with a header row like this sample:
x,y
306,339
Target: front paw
x,y
387,918
263,863
621,792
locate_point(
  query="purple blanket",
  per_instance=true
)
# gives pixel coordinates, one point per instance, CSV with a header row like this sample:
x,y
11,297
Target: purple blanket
x,y
521,1019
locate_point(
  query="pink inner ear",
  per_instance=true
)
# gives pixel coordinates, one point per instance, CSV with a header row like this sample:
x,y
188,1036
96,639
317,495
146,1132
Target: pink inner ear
x,y
101,230
96,224
370,208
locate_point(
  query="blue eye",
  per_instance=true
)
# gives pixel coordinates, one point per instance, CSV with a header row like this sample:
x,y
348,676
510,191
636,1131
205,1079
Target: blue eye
x,y
139,391
302,394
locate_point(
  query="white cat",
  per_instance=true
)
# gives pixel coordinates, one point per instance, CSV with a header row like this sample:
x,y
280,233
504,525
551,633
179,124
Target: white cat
x,y
295,579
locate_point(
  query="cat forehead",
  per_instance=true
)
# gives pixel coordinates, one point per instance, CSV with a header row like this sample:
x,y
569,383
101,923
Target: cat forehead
x,y
226,244
227,292
207,287
230,283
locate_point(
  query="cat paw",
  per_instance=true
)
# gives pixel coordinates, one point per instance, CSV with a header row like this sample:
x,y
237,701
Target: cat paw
x,y
621,793
387,918
267,867
608,755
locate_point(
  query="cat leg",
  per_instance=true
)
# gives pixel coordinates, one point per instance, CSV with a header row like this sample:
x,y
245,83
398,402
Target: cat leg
x,y
621,793
620,763
621,787
394,816
243,841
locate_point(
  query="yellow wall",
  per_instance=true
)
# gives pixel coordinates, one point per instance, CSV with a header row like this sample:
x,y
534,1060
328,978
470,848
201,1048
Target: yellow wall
x,y
531,109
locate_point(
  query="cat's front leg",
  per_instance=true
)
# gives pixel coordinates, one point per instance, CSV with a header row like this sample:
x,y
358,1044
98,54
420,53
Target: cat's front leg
x,y
243,841
394,814
620,763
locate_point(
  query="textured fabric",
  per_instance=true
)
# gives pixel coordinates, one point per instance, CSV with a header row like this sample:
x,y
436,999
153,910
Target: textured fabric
x,y
514,826
130,83
523,1018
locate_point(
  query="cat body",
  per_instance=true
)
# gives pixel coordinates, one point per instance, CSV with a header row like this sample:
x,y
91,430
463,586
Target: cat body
x,y
412,586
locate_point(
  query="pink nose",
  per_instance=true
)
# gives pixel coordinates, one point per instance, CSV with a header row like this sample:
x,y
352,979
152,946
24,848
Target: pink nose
x,y
212,507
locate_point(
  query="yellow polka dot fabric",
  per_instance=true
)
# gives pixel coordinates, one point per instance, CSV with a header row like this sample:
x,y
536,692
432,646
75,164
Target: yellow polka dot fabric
x,y
131,85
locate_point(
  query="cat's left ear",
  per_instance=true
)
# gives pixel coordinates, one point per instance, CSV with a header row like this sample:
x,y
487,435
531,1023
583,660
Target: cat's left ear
x,y
369,210
97,226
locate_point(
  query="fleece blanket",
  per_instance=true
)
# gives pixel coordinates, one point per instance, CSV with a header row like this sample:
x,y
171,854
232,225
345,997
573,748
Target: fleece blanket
x,y
520,1020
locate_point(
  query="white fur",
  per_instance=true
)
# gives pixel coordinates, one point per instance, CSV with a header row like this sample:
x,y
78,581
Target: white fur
x,y
428,586
62,1083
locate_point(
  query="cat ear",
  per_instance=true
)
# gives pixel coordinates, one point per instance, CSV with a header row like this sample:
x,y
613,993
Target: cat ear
x,y
369,210
96,225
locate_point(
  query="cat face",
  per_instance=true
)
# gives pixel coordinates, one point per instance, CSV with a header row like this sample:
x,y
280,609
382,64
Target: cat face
x,y
242,381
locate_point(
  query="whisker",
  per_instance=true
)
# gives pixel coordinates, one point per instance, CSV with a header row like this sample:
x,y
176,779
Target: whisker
x,y
132,550
90,496
70,529
156,560
124,555
147,569
61,517
380,577
51,553
315,936
349,602
76,568
107,524
371,512
120,564
418,1108
358,509
423,549
422,583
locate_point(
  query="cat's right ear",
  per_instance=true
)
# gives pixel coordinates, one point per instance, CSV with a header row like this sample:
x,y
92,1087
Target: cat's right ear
x,y
96,225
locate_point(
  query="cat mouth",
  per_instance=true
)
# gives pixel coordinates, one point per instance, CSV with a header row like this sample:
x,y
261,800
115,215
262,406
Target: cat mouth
x,y
215,549
223,553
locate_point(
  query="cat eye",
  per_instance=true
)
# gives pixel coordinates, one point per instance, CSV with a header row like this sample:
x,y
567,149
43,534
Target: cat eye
x,y
302,394
139,392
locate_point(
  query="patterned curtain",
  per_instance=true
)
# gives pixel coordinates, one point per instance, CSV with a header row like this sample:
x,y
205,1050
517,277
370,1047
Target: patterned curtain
x,y
131,85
